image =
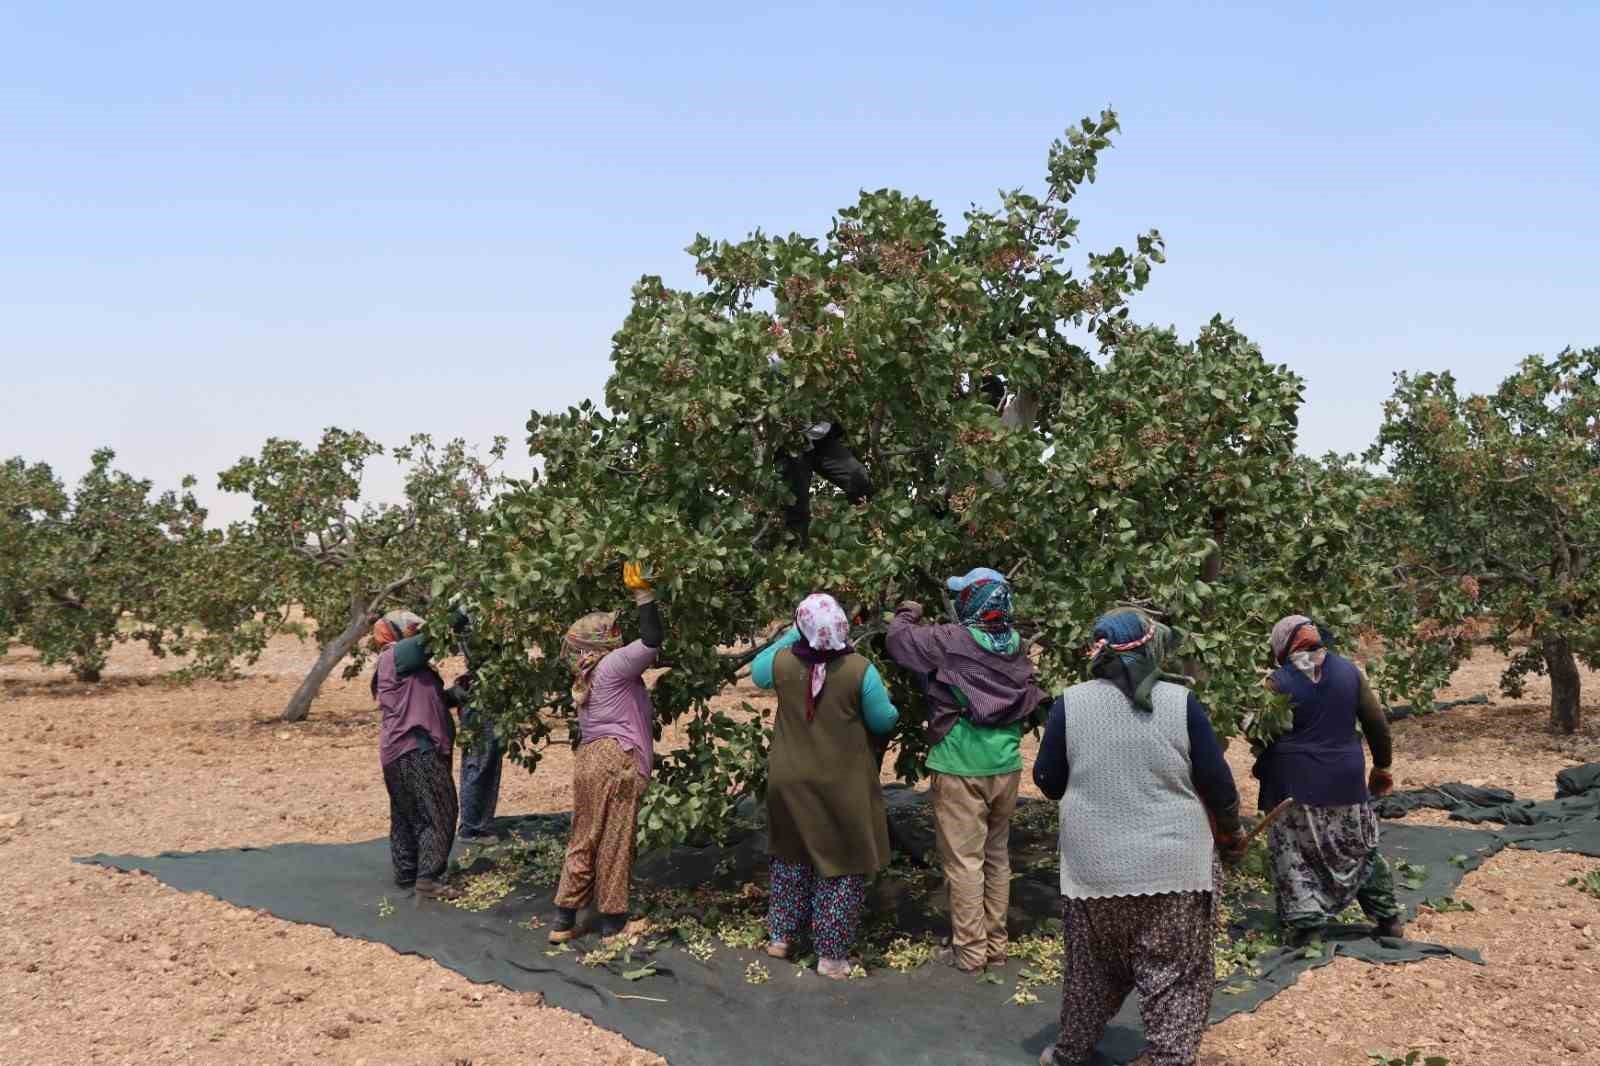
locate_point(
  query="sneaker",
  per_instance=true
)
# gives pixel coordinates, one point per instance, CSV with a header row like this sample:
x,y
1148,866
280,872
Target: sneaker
x,y
431,889
480,840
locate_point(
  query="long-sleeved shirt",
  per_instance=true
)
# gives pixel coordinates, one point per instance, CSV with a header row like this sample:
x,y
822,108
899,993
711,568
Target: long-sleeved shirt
x,y
877,710
619,706
978,701
1319,761
413,701
1213,780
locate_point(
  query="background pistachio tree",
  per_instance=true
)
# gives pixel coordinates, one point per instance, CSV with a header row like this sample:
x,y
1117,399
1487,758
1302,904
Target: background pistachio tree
x,y
1492,512
85,570
1011,415
313,551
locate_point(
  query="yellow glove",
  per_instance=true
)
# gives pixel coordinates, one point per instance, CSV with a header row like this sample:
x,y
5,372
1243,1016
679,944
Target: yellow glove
x,y
634,580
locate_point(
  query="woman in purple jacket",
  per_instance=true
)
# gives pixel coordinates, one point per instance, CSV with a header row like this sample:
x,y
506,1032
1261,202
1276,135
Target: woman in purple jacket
x,y
981,690
414,744
611,768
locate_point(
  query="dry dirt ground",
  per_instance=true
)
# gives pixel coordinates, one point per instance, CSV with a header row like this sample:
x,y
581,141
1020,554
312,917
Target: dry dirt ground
x,y
97,966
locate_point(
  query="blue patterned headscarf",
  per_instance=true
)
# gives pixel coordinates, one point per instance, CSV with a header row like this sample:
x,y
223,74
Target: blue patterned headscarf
x,y
1137,644
983,605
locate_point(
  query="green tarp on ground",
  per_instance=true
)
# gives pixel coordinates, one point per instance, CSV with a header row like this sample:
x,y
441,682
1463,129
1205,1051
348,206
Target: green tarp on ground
x,y
706,1012
1570,822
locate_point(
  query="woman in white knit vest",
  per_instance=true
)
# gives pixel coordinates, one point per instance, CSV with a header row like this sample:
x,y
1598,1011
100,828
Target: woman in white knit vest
x,y
1137,768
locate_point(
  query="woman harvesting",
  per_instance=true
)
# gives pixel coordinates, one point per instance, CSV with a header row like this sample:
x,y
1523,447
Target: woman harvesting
x,y
611,768
414,743
1136,766
1325,848
825,814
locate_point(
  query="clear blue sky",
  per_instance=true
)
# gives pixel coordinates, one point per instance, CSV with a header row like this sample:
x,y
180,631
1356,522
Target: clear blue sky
x,y
220,222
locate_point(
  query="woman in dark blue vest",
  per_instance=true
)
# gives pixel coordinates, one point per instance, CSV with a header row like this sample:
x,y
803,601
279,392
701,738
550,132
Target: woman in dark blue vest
x,y
1325,848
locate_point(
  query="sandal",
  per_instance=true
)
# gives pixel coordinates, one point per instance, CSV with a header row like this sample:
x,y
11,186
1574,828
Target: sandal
x,y
441,890
834,969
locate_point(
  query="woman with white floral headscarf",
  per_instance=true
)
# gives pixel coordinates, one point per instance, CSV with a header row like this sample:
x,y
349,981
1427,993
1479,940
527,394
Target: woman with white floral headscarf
x,y
1325,848
825,814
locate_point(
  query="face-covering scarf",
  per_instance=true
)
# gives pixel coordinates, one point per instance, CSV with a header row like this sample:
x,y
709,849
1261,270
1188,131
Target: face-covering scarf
x,y
1132,643
984,607
1297,640
393,627
824,637
589,640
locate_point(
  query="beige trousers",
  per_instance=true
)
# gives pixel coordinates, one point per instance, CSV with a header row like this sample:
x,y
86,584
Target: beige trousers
x,y
972,816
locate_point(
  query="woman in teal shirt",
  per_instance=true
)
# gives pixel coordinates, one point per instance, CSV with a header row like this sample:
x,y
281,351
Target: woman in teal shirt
x,y
825,817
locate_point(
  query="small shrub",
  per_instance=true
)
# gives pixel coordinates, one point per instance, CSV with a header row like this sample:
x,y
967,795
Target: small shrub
x,y
1411,1058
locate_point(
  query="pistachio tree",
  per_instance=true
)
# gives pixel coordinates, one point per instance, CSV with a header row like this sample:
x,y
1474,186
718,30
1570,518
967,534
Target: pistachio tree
x,y
82,571
1492,508
1011,415
313,551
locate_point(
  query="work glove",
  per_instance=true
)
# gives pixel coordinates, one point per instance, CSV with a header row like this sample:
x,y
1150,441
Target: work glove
x,y
634,580
1233,846
1380,783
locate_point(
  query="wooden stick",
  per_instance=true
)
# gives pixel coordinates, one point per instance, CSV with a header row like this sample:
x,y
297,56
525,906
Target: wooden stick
x,y
1270,817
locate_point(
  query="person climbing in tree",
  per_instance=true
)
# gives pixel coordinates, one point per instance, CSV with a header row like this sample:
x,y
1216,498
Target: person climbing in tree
x,y
981,690
483,760
826,825
825,453
1325,848
612,765
414,748
1136,766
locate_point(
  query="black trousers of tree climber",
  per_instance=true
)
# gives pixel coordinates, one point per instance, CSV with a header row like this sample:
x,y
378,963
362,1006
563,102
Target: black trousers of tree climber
x,y
833,459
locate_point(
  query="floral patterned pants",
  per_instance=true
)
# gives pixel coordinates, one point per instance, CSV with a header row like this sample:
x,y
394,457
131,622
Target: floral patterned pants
x,y
606,791
1158,946
422,816
831,906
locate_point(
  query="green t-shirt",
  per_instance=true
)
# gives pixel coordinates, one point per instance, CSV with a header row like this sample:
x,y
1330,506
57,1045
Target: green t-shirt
x,y
973,751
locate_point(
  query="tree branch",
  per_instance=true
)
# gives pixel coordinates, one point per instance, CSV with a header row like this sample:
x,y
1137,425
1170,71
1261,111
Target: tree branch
x,y
389,590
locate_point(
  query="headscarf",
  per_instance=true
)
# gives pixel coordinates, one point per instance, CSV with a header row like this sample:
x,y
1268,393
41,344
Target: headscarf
x,y
588,640
983,605
1297,640
393,627
1129,647
825,636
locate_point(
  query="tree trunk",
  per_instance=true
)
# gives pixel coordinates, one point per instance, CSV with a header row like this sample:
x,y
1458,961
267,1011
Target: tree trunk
x,y
299,705
89,675
361,621
1565,684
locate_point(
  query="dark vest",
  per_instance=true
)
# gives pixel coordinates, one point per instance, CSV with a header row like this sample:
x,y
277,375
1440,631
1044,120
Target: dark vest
x,y
1319,761
824,802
